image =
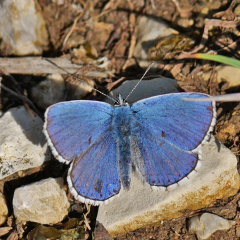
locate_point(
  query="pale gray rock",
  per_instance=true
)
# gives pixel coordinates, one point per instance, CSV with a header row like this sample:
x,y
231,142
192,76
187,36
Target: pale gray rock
x,y
43,202
49,91
22,28
3,209
22,143
216,177
207,224
147,88
54,89
149,29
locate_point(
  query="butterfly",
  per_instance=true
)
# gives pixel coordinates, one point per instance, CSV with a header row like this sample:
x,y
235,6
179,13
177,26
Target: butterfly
x,y
160,137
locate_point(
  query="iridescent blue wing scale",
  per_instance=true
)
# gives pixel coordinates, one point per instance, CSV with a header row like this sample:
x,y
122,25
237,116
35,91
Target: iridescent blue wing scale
x,y
167,134
80,131
159,162
93,174
71,126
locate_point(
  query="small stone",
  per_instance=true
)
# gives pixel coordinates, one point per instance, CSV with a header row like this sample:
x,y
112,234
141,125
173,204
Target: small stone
x,y
49,91
205,11
43,202
100,233
225,73
54,89
207,224
3,209
185,22
22,143
147,88
149,29
237,11
22,28
226,131
42,232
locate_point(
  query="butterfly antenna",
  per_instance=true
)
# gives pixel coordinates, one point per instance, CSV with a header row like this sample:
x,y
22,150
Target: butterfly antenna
x,y
149,67
79,79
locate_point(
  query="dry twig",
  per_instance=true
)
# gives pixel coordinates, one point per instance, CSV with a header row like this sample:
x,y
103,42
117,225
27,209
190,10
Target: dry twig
x,y
74,24
37,65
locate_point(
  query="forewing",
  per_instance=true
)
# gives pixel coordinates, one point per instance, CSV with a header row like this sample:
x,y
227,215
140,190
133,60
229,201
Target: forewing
x,y
166,136
185,124
70,127
93,177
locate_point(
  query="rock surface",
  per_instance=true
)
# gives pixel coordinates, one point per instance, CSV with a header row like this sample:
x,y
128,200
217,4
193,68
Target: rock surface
x,y
54,89
207,224
3,209
140,207
22,143
49,91
149,29
147,88
43,202
225,73
22,28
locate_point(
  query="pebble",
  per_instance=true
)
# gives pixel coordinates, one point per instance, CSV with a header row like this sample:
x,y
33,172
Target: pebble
x,y
3,209
207,224
22,29
149,29
49,91
54,89
22,143
43,202
237,11
224,73
147,88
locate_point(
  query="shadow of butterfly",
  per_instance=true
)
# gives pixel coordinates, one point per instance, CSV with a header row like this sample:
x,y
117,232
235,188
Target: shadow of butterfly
x,y
160,136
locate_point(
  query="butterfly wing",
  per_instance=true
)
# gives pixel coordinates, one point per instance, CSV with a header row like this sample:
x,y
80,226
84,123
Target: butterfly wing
x,y
168,134
80,131
93,176
70,127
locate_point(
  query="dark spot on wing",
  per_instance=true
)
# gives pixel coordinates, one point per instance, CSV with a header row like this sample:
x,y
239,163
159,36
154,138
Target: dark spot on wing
x,y
136,111
115,190
98,186
163,134
89,141
209,108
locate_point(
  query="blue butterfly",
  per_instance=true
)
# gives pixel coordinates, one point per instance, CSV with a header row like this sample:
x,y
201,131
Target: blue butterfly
x,y
160,137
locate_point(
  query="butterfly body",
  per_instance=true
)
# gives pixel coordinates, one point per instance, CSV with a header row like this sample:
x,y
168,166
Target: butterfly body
x,y
160,136
122,134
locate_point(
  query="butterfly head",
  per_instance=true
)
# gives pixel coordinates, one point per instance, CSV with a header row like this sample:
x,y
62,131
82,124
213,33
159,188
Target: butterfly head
x,y
121,101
